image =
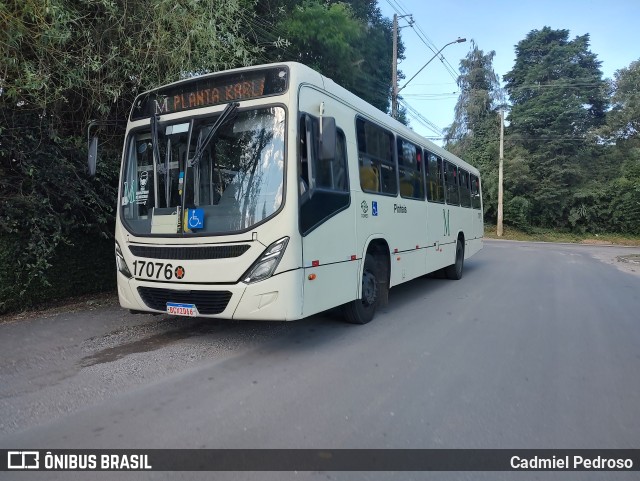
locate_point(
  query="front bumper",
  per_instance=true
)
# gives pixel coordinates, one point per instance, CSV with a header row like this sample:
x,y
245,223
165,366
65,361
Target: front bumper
x,y
278,298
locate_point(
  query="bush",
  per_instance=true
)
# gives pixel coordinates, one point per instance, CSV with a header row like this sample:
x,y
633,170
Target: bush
x,y
517,211
85,266
50,209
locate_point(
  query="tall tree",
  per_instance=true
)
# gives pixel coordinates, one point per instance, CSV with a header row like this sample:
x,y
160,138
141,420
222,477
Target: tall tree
x,y
348,41
473,135
623,121
373,68
623,131
323,36
65,62
480,93
558,95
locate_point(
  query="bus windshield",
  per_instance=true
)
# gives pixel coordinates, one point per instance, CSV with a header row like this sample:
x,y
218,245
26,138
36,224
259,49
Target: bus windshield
x,y
235,181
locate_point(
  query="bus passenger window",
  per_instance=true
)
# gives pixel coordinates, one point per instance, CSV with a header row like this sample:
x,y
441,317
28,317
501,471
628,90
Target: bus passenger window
x,y
339,178
451,183
435,190
475,192
465,191
303,160
376,160
327,174
327,178
409,165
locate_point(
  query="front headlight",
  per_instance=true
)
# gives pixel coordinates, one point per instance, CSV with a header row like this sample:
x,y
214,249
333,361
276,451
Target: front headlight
x,y
266,264
121,263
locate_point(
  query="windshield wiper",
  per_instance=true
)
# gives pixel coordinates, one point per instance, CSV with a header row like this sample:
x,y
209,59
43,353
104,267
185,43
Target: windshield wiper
x,y
228,114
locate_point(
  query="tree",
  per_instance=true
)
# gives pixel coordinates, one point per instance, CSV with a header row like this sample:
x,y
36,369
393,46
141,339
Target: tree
x,y
557,95
623,121
324,37
474,133
65,62
373,73
480,93
349,42
623,151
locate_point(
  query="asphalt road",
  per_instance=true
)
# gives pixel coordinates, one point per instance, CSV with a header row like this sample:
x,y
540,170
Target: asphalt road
x,y
538,346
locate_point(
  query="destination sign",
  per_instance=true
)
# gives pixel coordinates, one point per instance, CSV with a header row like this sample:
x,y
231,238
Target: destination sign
x,y
211,90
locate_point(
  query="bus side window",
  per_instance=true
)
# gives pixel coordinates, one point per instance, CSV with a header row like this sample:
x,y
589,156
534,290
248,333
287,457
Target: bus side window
x,y
435,192
409,166
327,174
303,160
465,191
328,177
451,183
339,169
332,174
376,159
475,192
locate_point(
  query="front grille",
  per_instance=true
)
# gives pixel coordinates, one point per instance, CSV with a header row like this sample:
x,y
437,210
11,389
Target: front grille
x,y
189,253
207,302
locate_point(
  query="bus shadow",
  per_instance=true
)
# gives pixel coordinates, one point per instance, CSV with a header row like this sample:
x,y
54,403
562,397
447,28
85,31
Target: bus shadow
x,y
229,335
164,331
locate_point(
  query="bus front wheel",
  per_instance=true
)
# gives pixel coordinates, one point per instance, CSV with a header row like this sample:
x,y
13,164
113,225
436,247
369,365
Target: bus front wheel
x,y
361,311
454,271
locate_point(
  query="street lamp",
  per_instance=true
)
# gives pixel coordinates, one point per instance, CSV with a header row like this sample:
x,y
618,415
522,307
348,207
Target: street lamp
x,y
396,90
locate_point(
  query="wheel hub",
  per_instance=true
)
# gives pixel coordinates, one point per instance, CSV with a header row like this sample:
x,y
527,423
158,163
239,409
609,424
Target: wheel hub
x,y
369,288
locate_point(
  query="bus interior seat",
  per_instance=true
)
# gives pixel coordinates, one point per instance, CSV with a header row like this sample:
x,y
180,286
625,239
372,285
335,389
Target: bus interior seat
x,y
406,189
369,179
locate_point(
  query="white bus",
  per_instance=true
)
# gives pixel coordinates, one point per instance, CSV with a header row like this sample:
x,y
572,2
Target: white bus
x,y
272,193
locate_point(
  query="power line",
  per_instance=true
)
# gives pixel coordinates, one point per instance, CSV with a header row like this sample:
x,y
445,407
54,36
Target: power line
x,y
412,112
420,118
395,5
432,46
438,96
450,70
558,85
434,84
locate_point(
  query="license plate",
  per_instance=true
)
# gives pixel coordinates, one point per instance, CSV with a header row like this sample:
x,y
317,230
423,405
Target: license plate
x,y
176,309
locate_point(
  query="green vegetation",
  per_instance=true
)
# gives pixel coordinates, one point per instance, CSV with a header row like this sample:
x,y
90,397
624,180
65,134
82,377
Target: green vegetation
x,y
472,136
572,152
571,163
66,62
540,234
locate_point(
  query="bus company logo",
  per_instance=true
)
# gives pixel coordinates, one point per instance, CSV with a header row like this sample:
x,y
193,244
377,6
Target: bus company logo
x,y
23,460
365,209
179,272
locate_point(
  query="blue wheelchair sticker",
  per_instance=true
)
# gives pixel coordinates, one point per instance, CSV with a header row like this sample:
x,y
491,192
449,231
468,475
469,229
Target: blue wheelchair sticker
x,y
195,218
374,208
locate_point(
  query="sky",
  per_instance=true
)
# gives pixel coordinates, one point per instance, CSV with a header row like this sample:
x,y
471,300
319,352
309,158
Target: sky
x,y
499,25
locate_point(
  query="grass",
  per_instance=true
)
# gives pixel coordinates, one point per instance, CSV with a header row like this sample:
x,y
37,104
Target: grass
x,y
537,234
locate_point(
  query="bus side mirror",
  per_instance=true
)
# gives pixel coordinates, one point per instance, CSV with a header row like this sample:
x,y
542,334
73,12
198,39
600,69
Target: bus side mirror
x,y
327,150
93,156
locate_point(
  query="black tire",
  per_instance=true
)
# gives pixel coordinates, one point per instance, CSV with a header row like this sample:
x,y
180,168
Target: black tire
x,y
361,311
454,271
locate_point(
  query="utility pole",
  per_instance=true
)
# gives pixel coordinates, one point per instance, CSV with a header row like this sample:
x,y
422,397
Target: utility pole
x,y
394,69
500,192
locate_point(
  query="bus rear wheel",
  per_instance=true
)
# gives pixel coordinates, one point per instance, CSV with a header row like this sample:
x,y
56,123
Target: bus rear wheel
x,y
454,271
361,311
